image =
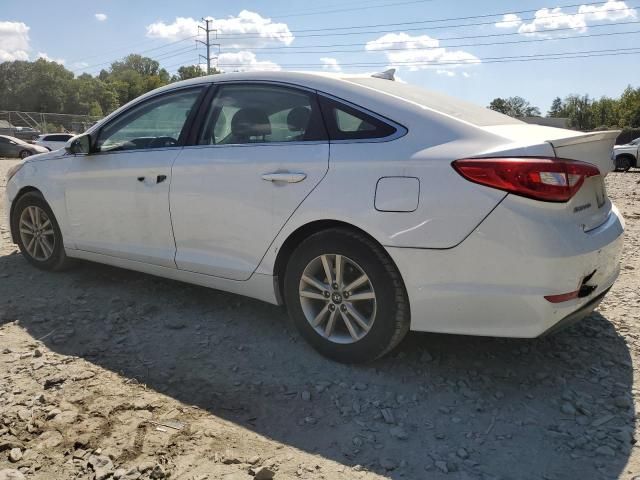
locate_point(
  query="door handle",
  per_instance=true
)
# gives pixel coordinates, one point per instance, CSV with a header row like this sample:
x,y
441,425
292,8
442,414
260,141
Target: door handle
x,y
286,177
141,179
161,178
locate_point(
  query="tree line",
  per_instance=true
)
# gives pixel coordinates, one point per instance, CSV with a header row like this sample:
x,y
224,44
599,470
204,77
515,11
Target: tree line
x,y
581,111
45,86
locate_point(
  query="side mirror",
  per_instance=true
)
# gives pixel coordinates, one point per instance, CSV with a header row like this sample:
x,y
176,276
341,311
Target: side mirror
x,y
79,145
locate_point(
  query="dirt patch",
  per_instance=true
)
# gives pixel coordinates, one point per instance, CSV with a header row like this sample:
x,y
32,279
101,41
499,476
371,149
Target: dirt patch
x,y
106,373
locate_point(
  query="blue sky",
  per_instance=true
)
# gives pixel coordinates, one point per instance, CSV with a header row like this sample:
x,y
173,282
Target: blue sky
x,y
287,35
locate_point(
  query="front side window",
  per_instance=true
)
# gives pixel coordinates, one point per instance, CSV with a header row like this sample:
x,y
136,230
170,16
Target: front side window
x,y
347,123
257,113
156,123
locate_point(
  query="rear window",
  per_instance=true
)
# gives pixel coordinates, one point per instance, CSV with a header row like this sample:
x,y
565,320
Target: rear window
x,y
469,112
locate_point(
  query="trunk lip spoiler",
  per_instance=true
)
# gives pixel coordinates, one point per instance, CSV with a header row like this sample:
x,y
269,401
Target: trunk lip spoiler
x,y
584,137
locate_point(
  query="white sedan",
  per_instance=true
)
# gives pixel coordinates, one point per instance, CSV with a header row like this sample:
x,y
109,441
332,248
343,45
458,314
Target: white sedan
x,y
367,207
53,141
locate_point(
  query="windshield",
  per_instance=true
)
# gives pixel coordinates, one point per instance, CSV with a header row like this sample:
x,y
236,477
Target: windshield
x,y
469,112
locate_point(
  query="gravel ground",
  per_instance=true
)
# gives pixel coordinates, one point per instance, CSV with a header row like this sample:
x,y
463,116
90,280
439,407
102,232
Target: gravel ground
x,y
106,373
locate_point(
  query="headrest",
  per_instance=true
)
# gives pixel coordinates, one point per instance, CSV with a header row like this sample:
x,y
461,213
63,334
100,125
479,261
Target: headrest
x,y
298,119
250,122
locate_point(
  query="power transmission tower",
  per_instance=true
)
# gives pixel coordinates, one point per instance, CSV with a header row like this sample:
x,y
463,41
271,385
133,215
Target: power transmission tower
x,y
208,43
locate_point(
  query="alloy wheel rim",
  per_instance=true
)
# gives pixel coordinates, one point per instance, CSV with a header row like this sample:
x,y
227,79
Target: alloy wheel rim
x,y
37,234
337,298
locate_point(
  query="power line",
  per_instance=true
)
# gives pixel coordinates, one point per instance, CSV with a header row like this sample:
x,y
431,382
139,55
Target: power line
x,y
129,48
463,37
366,32
583,53
163,56
610,53
474,44
91,67
448,19
351,9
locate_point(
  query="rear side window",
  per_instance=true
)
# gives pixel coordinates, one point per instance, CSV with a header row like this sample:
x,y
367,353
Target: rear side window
x,y
348,123
261,113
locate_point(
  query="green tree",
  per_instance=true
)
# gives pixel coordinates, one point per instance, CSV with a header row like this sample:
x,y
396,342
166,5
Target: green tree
x,y
578,110
557,108
629,108
188,71
604,113
514,107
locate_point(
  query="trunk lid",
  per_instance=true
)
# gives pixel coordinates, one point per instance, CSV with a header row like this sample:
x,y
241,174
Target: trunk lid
x,y
590,206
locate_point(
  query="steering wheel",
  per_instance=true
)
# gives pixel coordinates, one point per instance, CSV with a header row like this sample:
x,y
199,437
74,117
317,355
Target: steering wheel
x,y
160,142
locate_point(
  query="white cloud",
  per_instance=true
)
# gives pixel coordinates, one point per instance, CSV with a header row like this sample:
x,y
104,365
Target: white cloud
x,y
447,73
418,52
46,57
329,63
509,20
14,41
256,30
101,17
551,19
244,61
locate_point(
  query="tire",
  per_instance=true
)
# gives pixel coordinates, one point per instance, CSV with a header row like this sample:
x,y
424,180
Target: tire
x,y
387,315
623,164
53,260
24,154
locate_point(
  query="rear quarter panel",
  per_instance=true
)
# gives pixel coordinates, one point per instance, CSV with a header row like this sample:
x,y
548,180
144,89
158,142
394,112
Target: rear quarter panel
x,y
449,207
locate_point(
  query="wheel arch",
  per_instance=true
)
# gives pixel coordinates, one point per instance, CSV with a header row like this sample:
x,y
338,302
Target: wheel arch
x,y
20,193
299,235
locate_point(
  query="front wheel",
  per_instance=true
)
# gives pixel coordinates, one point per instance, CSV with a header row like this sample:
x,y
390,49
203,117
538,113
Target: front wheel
x,y
346,297
38,234
24,154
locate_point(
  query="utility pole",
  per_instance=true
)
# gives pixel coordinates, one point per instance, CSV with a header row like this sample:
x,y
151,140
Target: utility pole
x,y
208,43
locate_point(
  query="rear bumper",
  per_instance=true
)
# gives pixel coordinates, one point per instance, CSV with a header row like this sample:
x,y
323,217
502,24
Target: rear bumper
x,y
494,283
576,316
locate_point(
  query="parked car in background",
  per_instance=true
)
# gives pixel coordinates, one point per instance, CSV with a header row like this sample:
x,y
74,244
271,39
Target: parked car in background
x,y
53,141
14,147
23,133
627,155
368,207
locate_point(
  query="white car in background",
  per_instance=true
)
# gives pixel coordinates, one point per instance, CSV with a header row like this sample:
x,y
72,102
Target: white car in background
x,y
367,207
53,141
627,155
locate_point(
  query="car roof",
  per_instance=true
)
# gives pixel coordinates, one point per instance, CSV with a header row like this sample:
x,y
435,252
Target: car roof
x,y
365,90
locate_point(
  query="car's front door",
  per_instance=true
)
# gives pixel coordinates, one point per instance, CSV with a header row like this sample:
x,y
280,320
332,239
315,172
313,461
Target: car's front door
x,y
118,197
261,151
8,148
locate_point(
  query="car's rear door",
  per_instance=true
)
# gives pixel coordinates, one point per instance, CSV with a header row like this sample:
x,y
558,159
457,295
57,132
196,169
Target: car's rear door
x,y
261,150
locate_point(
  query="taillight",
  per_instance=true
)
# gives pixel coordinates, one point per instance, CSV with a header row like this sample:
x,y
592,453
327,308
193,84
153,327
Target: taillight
x,y
546,179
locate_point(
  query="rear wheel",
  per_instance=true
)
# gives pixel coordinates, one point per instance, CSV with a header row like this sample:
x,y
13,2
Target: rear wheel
x,y
38,233
24,154
346,297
